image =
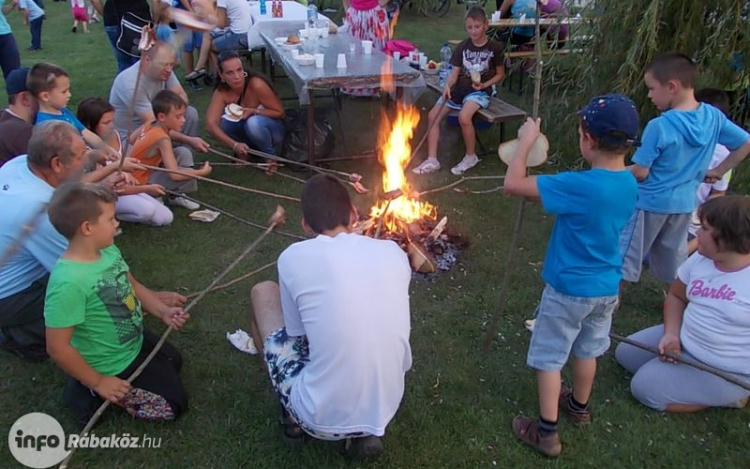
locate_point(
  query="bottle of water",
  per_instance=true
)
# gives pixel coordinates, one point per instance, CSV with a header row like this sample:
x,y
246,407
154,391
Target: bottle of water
x,y
312,15
263,7
445,63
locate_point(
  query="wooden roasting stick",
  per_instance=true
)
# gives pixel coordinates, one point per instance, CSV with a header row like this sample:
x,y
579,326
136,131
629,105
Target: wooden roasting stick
x,y
233,216
237,280
277,219
505,283
268,168
221,183
683,360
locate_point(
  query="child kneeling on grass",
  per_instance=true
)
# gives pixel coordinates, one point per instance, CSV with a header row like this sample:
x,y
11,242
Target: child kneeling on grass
x,y
152,146
94,319
478,65
583,265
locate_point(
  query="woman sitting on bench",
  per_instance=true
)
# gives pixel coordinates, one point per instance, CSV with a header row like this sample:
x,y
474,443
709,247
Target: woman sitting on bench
x,y
245,112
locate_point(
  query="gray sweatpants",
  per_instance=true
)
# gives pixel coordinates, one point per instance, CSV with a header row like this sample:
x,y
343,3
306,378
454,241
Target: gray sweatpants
x,y
657,384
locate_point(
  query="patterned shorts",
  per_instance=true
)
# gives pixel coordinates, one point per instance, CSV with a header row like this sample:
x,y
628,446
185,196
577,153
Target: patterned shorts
x,y
285,357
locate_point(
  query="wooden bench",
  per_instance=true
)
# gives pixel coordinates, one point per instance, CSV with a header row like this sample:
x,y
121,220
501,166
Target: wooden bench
x,y
498,112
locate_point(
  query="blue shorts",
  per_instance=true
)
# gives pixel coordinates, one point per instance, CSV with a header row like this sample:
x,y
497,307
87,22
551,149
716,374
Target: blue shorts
x,y
479,97
568,325
192,39
227,40
285,357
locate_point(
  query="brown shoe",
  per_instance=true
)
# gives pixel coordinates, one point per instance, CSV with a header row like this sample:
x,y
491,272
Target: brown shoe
x,y
527,431
579,419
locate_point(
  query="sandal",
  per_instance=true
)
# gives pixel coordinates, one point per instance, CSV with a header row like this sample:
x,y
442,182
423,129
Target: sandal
x,y
291,432
195,74
428,166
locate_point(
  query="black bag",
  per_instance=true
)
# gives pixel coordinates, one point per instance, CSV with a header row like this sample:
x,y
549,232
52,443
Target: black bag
x,y
295,142
131,26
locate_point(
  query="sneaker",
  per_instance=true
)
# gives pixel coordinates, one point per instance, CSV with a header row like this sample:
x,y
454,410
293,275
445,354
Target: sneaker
x,y
466,164
183,202
195,74
428,166
74,29
362,448
527,431
579,418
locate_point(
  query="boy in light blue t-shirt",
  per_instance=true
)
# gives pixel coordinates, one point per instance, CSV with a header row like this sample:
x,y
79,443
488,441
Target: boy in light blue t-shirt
x,y
34,17
672,162
582,268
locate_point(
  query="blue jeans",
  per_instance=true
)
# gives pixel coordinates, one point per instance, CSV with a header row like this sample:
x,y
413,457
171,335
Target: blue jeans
x,y
10,59
35,26
123,60
259,132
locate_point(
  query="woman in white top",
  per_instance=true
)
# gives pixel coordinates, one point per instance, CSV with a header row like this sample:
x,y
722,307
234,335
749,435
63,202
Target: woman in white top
x,y
706,318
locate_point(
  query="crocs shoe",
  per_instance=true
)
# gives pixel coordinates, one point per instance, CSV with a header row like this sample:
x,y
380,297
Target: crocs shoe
x,y
428,166
465,164
527,431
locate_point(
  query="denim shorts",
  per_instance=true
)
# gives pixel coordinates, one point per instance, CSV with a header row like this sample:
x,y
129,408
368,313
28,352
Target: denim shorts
x,y
569,325
285,357
227,40
479,97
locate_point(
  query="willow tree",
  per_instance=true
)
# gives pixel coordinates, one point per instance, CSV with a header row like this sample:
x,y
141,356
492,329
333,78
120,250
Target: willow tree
x,y
625,35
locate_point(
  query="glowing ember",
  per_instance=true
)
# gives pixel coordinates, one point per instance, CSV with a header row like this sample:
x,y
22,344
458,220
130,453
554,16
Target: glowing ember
x,y
395,151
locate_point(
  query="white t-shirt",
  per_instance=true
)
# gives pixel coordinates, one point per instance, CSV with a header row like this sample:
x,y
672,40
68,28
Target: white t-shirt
x,y
704,189
350,296
716,324
238,15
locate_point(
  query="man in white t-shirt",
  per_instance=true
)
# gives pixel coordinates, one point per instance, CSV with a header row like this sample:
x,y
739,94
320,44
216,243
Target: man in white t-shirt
x,y
335,331
233,17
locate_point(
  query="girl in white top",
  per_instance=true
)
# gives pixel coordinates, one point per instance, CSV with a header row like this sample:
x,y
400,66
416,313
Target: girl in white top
x,y
135,203
706,318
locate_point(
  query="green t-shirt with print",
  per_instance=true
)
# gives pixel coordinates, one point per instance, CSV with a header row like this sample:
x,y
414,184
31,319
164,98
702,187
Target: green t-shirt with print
x,y
97,300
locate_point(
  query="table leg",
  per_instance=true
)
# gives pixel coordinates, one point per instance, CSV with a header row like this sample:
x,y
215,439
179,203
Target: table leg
x,y
311,129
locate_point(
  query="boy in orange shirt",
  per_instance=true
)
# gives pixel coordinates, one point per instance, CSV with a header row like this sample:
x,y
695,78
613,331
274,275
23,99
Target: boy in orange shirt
x,y
153,147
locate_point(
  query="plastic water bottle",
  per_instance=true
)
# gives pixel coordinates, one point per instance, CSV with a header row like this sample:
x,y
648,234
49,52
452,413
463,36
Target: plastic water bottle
x,y
312,15
445,63
263,7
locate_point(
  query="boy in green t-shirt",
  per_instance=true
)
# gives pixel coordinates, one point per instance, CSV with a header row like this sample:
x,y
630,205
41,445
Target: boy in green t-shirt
x,y
94,320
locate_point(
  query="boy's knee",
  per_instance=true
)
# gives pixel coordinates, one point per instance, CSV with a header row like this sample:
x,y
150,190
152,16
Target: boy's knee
x,y
466,119
262,289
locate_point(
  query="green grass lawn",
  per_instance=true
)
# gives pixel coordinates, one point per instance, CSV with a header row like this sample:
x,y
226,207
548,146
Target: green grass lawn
x,y
458,403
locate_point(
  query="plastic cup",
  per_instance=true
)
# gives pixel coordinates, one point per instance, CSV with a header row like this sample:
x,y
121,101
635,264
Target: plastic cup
x,y
341,61
295,53
476,77
397,55
303,33
367,47
352,47
319,60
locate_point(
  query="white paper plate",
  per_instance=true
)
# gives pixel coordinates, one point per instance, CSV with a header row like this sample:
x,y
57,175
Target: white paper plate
x,y
242,341
191,20
537,154
286,46
306,61
229,118
279,40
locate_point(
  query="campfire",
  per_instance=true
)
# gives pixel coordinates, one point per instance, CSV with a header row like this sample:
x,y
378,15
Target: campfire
x,y
399,215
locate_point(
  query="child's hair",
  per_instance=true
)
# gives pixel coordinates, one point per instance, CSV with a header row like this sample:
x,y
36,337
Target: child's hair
x,y
325,203
77,202
91,110
43,77
476,13
715,97
730,218
165,101
615,144
674,66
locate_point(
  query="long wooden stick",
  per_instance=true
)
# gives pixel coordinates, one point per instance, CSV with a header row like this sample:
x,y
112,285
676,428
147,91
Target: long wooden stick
x,y
261,166
505,282
276,220
683,360
220,183
237,280
458,182
269,156
424,137
233,216
131,111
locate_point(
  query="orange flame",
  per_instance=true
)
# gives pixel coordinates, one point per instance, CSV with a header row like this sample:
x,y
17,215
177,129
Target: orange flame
x,y
395,152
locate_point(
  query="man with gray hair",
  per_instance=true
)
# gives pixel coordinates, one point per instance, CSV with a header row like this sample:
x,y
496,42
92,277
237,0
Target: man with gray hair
x,y
56,153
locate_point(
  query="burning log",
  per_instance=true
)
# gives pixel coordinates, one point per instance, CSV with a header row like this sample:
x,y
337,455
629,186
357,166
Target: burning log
x,y
420,259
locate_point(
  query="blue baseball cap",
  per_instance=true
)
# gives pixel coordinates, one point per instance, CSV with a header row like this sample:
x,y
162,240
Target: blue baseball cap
x,y
612,118
16,81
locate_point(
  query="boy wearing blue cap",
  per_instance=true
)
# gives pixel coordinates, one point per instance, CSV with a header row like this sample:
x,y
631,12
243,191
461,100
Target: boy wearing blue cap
x,y
672,162
582,268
